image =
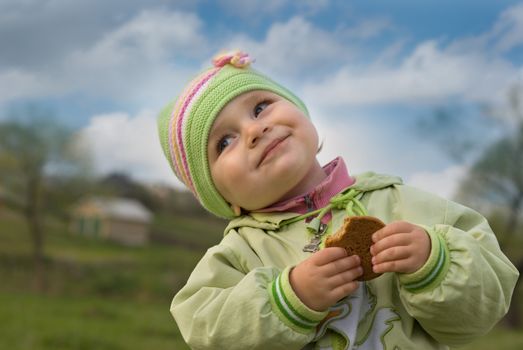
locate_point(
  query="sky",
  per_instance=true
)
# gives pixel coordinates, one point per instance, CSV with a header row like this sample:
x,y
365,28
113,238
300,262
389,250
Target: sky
x,y
370,72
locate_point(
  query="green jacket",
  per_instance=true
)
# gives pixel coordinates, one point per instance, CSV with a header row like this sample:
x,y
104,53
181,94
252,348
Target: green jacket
x,y
239,295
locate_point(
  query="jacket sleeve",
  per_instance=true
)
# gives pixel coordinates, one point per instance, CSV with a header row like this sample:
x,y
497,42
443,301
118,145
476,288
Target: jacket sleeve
x,y
231,302
466,285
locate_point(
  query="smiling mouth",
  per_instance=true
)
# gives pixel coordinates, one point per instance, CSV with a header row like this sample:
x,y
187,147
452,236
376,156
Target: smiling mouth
x,y
270,147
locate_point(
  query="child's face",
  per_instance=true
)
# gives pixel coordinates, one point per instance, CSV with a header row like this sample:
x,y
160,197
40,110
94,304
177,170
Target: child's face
x,y
261,147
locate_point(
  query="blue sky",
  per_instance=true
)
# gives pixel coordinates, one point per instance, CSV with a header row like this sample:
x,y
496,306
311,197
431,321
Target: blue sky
x,y
369,71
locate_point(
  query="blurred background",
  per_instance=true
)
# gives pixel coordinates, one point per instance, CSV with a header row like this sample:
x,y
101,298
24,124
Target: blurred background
x,y
96,234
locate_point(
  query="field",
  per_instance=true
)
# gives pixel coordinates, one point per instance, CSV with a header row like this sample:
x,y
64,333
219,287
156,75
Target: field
x,y
32,321
98,295
103,296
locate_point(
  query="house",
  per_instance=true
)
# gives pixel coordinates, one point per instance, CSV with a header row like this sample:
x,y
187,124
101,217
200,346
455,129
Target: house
x,y
122,220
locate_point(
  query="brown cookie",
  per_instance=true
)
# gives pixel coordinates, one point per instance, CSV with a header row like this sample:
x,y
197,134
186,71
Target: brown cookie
x,y
355,236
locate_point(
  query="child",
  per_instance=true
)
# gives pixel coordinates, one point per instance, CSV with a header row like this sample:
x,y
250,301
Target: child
x,y
245,147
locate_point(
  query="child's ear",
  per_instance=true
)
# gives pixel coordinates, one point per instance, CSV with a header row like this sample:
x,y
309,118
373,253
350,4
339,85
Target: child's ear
x,y
236,209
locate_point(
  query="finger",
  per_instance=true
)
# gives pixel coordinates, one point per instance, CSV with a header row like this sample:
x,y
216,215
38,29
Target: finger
x,y
399,239
344,277
403,266
390,229
344,290
390,254
341,265
327,255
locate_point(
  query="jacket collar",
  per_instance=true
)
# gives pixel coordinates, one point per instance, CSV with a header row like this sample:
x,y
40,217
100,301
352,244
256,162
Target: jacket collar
x,y
337,179
365,182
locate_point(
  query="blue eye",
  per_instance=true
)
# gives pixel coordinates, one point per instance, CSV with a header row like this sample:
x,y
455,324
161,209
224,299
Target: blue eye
x,y
260,107
223,143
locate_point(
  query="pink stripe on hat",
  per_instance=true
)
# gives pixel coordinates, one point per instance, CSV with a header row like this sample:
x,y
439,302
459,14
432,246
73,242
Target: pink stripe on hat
x,y
173,150
178,123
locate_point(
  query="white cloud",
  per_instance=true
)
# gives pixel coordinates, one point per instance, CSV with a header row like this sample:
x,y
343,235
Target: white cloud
x,y
252,8
312,6
15,83
509,29
132,63
120,142
379,144
470,68
151,36
256,10
350,139
443,183
294,48
368,28
326,70
134,60
428,74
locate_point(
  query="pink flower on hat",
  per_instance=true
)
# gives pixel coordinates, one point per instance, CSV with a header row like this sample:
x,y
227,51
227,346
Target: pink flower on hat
x,y
238,59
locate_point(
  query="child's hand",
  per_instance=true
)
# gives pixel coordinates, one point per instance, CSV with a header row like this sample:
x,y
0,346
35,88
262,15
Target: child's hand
x,y
325,277
400,247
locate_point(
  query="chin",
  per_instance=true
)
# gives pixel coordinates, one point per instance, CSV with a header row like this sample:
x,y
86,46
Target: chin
x,y
291,168
288,190
260,205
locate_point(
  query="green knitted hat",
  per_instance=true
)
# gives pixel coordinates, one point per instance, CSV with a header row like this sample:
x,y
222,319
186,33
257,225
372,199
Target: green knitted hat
x,y
184,124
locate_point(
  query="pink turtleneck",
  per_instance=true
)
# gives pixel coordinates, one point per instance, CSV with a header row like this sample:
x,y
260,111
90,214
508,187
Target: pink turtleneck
x,y
337,179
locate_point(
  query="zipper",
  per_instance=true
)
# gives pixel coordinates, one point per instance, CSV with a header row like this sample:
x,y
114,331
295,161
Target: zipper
x,y
314,245
309,203
310,207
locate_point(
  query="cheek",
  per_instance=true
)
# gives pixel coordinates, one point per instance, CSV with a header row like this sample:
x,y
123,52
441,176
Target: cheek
x,y
227,176
312,136
298,121
309,135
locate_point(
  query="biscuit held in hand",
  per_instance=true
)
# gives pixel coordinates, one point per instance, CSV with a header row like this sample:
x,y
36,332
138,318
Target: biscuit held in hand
x,y
356,237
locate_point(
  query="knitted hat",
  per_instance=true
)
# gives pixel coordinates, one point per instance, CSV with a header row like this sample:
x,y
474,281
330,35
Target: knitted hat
x,y
185,123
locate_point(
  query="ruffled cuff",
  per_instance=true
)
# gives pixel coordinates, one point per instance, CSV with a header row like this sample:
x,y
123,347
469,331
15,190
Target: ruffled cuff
x,y
289,308
433,271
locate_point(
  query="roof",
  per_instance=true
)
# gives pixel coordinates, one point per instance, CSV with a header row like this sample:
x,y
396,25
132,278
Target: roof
x,y
122,208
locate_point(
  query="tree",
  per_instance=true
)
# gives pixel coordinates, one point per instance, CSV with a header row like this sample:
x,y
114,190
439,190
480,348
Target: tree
x,y
491,148
496,178
33,146
123,185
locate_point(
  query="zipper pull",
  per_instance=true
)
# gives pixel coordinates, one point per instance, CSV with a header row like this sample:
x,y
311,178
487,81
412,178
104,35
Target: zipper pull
x,y
314,245
309,203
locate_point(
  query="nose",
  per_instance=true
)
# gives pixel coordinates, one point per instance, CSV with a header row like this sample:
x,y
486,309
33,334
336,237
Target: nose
x,y
255,130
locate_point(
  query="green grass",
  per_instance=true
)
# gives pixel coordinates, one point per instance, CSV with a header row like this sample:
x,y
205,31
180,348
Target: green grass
x,y
499,338
32,322
99,295
79,265
200,232
37,322
104,296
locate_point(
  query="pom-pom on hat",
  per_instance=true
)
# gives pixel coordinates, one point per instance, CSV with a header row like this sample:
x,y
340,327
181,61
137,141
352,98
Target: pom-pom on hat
x,y
185,123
